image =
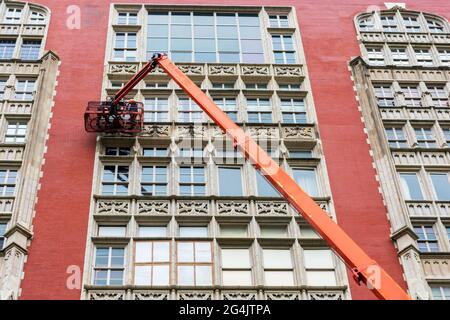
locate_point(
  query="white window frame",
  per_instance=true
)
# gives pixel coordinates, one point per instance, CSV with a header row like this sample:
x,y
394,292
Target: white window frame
x,y
16,132
109,267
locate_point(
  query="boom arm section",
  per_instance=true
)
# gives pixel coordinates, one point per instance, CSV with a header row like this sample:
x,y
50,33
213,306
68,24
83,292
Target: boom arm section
x,y
363,267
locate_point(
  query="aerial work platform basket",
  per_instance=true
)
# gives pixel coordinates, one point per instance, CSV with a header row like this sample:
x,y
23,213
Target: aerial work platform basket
x,y
125,117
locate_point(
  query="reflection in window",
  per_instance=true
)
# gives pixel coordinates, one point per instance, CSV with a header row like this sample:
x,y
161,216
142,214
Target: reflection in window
x,y
206,37
283,49
230,181
307,180
109,266
427,241
441,185
192,181
411,186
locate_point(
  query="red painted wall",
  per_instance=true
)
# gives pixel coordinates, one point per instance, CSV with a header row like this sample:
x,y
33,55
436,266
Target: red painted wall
x,y
329,40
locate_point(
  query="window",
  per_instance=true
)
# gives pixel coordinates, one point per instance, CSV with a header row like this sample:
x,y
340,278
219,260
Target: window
x,y
308,232
439,95
396,138
127,18
441,185
444,56
435,26
366,24
427,241
256,86
191,153
223,85
206,37
192,181
412,96
375,55
2,235
2,88
112,231
115,180
389,23
154,180
156,110
399,56
440,292
16,132
319,267
152,231
230,181
152,263
30,49
37,17
125,46
446,134
193,232
447,228
194,263
283,49
259,110
109,266
236,267
412,24
425,137
7,49
189,111
289,86
117,151
233,230
424,57
155,152
384,95
273,231
228,105
263,187
13,15
300,154
8,178
278,268
157,85
307,180
411,186
278,21
24,90
293,110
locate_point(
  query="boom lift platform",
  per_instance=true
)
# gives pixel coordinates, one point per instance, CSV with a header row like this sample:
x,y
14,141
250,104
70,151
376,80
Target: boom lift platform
x,y
118,116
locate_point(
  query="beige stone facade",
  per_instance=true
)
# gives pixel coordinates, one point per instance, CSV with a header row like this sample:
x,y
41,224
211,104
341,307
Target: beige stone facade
x,y
27,80
402,81
163,190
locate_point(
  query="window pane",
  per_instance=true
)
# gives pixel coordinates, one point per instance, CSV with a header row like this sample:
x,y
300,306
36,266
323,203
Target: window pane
x,y
142,275
306,178
277,258
161,275
320,278
161,251
235,258
111,231
186,275
411,186
273,231
264,188
143,252
318,259
185,252
441,185
279,278
233,230
202,252
153,231
230,182
236,278
203,275
193,231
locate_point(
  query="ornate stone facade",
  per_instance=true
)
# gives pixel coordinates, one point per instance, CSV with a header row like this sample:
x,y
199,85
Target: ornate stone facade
x,y
402,81
171,144
28,77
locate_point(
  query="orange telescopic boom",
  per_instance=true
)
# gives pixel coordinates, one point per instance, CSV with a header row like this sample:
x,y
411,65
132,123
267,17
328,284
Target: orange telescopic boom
x,y
364,269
